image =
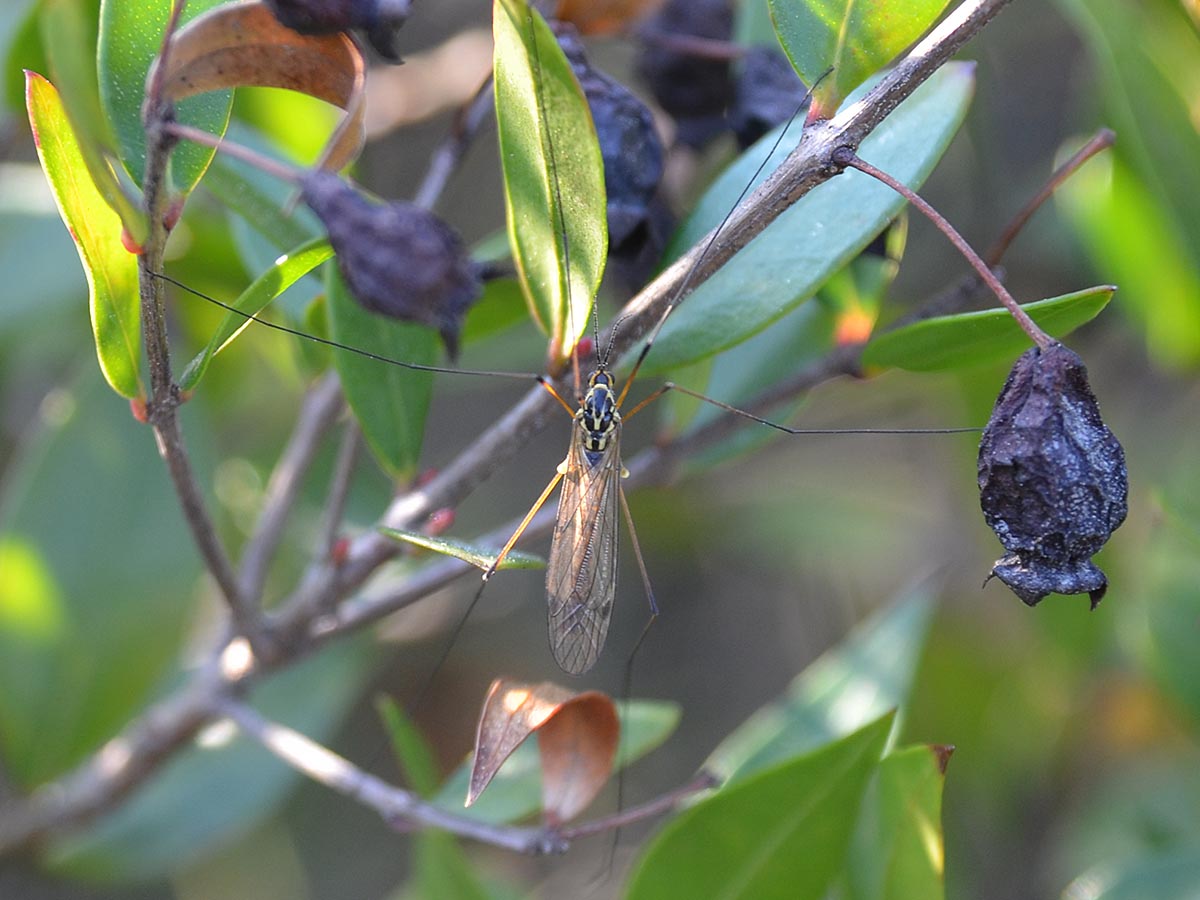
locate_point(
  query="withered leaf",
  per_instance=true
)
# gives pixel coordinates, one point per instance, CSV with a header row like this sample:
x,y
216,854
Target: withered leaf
x,y
1052,478
577,742
398,259
242,45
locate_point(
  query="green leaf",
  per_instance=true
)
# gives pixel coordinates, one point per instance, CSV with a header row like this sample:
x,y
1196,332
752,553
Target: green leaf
x,y
870,672
111,270
1131,237
783,832
389,402
286,271
224,784
898,852
412,752
97,580
131,36
476,556
21,42
977,338
854,38
516,791
553,175
813,239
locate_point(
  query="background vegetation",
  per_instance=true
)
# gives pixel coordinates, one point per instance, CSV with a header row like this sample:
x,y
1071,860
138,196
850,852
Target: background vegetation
x,y
1076,768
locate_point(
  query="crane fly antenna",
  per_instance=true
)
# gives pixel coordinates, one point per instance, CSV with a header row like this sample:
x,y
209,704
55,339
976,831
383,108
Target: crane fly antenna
x,y
714,235
275,326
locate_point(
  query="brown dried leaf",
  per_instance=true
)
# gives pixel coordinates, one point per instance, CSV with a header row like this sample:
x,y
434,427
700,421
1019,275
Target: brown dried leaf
x,y
577,741
242,45
604,16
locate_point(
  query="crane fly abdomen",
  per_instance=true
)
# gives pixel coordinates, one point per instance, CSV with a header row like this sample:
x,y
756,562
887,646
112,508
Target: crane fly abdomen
x,y
581,574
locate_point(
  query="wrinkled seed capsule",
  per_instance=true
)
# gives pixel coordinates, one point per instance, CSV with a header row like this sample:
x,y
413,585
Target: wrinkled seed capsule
x,y
768,92
398,259
633,164
380,19
1052,479
694,90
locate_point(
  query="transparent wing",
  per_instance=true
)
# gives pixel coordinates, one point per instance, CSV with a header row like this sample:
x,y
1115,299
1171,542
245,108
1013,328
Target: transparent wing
x,y
582,571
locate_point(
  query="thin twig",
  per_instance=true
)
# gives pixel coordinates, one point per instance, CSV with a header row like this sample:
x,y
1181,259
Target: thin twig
x,y
318,411
339,489
1102,140
282,171
702,782
450,151
848,157
392,803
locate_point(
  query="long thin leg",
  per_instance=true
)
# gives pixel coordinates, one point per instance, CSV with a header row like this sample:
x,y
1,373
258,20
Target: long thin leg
x,y
637,552
516,536
671,386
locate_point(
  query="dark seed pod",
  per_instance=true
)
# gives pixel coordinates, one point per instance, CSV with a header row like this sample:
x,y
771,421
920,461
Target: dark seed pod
x,y
379,19
768,92
695,90
398,259
1052,478
631,149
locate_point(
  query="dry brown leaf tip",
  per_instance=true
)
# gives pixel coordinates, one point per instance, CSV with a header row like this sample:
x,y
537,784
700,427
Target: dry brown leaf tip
x,y
577,734
242,45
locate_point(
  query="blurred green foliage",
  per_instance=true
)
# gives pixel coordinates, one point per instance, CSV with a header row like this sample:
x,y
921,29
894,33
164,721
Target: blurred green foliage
x,y
1076,734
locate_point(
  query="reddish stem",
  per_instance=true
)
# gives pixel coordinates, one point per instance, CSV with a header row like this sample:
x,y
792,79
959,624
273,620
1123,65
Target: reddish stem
x,y
847,157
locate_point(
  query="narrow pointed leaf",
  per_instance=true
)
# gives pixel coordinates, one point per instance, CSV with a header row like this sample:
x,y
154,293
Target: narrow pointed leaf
x,y
786,264
783,832
111,270
389,402
286,271
553,175
476,556
854,38
987,336
515,791
131,37
898,851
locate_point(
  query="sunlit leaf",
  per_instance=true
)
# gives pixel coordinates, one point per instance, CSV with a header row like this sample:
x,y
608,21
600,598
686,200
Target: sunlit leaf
x,y
782,832
286,271
111,270
978,338
853,38
553,175
476,556
814,238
